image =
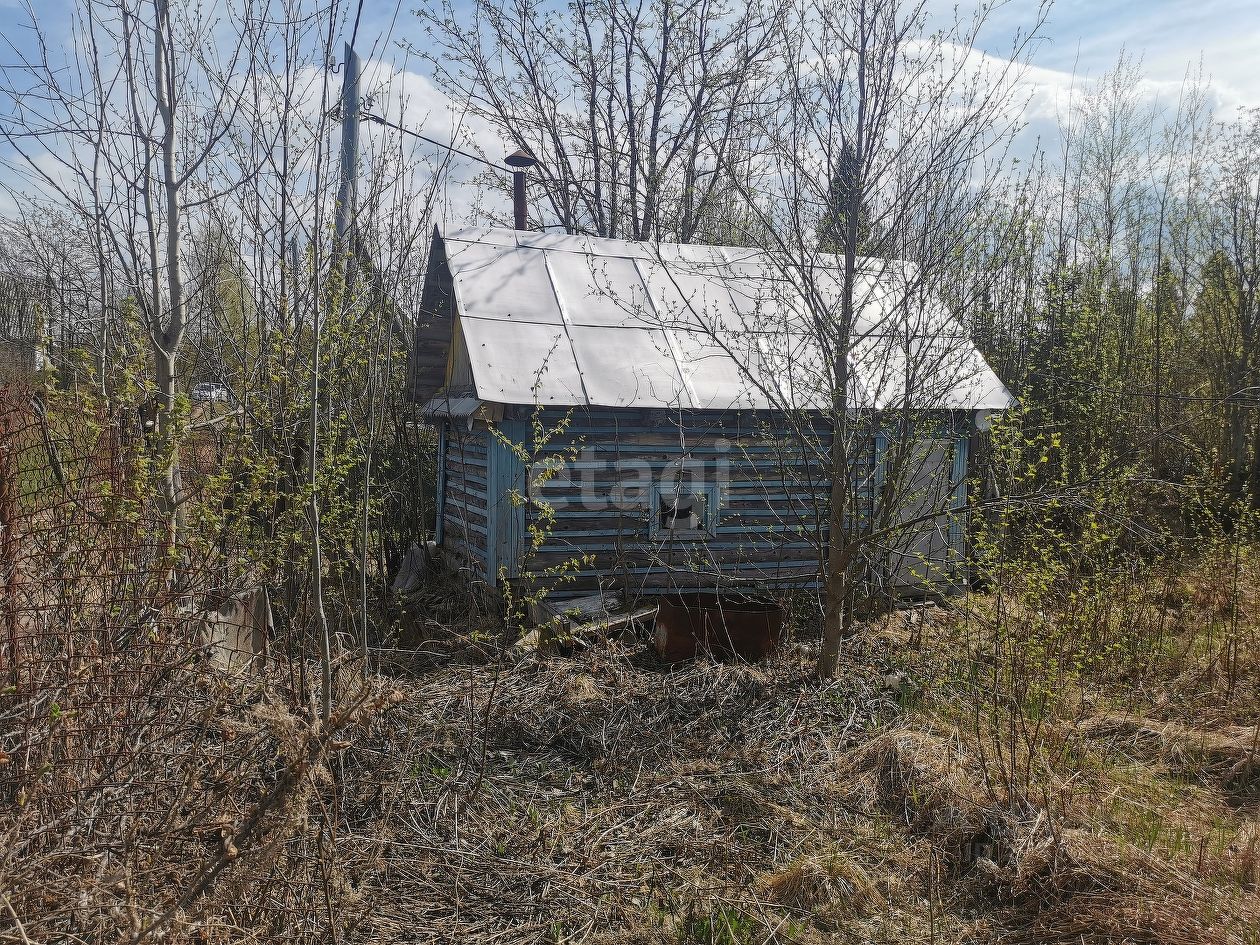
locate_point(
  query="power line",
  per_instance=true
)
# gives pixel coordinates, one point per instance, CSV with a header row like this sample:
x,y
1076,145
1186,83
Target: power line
x,y
354,34
368,116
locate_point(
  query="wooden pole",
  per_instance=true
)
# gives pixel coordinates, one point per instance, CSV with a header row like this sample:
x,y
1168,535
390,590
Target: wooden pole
x,y
348,192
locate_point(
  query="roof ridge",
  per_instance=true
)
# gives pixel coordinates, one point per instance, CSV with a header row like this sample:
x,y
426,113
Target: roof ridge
x,y
648,245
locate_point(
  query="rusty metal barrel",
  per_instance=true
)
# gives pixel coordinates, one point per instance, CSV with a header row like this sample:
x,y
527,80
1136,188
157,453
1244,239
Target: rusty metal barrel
x,y
740,626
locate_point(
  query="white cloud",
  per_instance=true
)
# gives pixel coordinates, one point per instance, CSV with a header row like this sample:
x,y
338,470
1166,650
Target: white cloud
x,y
1169,37
414,102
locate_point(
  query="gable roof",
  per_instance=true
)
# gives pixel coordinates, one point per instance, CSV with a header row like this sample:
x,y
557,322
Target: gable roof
x,y
573,320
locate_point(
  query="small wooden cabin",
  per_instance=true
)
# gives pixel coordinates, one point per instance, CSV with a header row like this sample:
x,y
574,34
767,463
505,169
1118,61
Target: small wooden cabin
x,y
648,417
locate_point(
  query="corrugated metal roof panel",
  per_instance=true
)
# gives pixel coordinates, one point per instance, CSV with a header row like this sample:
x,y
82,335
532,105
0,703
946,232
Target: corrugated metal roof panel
x,y
571,320
926,373
485,235
628,367
601,291
522,362
687,296
560,242
460,408
502,282
715,379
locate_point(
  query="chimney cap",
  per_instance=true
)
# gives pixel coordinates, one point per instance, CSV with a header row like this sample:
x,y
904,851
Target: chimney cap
x,y
520,158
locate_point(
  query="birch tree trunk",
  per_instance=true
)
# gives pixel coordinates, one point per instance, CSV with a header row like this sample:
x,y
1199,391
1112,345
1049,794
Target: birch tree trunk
x,y
169,335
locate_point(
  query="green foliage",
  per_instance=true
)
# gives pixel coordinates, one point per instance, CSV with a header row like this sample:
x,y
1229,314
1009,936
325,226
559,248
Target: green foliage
x,y
542,462
226,335
727,926
253,508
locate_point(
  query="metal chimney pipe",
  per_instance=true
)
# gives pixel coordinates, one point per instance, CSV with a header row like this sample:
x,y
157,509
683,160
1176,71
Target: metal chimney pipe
x,y
520,161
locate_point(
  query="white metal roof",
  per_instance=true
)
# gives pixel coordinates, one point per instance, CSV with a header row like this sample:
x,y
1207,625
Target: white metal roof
x,y
445,405
573,320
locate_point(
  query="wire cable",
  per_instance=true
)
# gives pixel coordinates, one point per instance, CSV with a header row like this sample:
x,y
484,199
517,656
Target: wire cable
x,y
368,116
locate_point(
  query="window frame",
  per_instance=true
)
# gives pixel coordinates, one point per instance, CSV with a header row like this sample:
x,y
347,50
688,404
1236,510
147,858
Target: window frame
x,y
709,494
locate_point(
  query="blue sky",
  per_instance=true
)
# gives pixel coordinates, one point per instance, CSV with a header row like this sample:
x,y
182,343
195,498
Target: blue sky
x,y
1083,39
1082,35
1167,35
1085,35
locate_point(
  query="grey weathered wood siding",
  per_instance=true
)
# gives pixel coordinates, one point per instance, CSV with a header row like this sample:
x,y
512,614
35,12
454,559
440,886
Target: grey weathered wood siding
x,y
464,501
434,328
770,494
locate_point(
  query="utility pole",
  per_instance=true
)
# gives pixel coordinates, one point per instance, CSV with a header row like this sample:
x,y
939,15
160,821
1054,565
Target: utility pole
x,y
348,192
347,202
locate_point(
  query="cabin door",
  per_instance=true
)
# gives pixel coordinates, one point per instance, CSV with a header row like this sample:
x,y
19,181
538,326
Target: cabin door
x,y
927,555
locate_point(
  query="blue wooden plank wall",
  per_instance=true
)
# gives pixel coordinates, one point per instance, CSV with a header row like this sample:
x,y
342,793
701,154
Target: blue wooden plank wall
x,y
770,525
506,497
464,498
481,483
770,521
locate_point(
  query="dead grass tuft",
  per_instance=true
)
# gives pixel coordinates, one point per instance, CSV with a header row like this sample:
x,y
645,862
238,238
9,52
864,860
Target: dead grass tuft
x,y
829,888
1241,858
1103,891
1224,757
924,780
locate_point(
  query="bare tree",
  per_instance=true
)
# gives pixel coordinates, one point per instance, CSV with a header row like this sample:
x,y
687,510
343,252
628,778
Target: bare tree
x,y
912,125
122,139
1235,270
637,113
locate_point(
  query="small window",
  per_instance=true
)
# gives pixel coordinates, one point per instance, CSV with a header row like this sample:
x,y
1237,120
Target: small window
x,y
677,513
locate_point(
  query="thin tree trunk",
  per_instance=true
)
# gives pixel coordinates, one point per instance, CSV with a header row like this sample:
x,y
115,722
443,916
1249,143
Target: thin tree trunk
x,y
171,334
836,622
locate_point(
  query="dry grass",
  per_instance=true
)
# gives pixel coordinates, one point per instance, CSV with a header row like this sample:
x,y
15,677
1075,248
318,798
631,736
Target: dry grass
x,y
829,889
606,797
609,791
1224,757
